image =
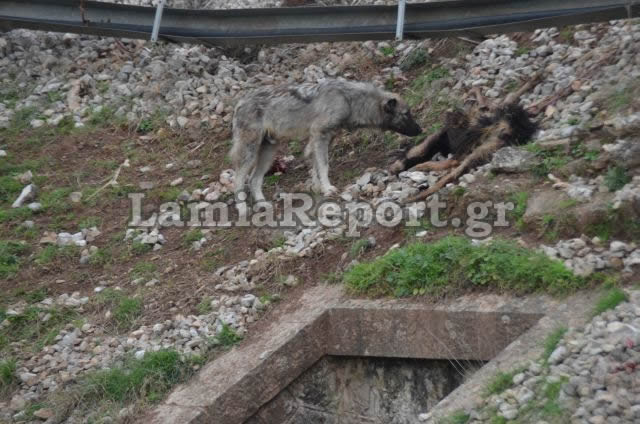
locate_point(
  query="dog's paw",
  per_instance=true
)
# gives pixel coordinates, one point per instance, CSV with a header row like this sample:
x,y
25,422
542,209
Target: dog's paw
x,y
329,191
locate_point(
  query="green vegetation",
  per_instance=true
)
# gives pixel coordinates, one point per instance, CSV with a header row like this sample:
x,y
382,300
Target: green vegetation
x,y
11,253
453,263
191,236
417,58
52,252
139,248
57,200
359,247
124,310
519,200
521,51
227,337
7,374
271,180
500,382
148,378
616,178
420,84
619,100
388,50
458,417
610,299
550,160
551,342
459,191
204,307
144,269
31,327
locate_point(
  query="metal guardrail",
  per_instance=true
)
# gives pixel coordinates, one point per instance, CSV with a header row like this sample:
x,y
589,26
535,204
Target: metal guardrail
x,y
309,24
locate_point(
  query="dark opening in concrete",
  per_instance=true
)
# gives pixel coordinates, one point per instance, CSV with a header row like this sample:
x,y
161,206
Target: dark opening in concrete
x,y
360,390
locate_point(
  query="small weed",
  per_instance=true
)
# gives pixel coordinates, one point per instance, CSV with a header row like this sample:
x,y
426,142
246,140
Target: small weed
x,y
619,100
551,342
388,50
7,374
459,191
573,121
11,253
272,180
278,242
138,248
417,58
30,328
204,307
521,51
612,298
500,383
54,96
227,337
191,236
101,117
144,270
57,200
458,417
90,221
616,178
359,247
519,200
295,147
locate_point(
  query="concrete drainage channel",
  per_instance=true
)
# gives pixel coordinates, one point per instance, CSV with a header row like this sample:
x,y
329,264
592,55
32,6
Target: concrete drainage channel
x,y
329,359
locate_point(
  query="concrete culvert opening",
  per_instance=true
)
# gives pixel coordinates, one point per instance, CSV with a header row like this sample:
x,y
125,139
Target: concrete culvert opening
x,y
348,361
362,390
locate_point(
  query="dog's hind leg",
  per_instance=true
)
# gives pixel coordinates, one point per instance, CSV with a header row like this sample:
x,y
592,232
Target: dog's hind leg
x,y
320,144
265,160
244,156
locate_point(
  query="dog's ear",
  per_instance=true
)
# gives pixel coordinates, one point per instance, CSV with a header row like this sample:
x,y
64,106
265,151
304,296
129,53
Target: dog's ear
x,y
390,105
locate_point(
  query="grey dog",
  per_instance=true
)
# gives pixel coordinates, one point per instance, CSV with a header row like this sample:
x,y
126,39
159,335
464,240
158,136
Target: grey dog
x,y
313,112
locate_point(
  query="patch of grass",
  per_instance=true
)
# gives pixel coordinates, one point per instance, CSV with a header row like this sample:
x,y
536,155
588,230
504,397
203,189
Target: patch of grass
x,y
57,200
619,100
453,263
138,248
610,299
54,96
500,383
573,121
204,307
11,253
459,191
359,247
30,327
458,417
148,378
551,407
47,255
421,83
7,374
144,269
521,51
10,188
191,236
616,178
519,200
89,221
551,342
17,214
103,256
102,117
278,242
271,180
227,337
124,310
21,121
416,58
388,50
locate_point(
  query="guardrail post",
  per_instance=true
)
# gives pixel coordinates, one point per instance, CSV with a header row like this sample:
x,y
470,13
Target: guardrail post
x,y
156,21
400,23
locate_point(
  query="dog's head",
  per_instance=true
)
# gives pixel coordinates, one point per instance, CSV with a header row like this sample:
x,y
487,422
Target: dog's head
x,y
397,117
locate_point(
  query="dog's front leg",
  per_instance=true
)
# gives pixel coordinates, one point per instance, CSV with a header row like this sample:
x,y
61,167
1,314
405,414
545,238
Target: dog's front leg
x,y
320,144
